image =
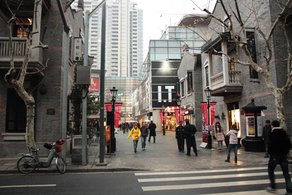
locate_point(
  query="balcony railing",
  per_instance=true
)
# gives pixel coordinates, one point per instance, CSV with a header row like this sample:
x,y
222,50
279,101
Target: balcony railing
x,y
19,48
231,85
18,45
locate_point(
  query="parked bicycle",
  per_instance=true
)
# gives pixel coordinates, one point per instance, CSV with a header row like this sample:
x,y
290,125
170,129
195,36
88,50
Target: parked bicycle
x,y
28,163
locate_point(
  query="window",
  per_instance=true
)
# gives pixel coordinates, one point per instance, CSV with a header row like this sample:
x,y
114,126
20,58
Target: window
x,y
15,113
190,82
22,27
182,88
207,76
252,50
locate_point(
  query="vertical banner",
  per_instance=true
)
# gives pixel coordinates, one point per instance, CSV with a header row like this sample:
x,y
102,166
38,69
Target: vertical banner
x,y
204,108
118,109
94,85
212,112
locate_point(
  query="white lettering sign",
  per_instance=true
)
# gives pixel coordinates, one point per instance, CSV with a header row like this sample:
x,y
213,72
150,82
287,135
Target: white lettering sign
x,y
169,93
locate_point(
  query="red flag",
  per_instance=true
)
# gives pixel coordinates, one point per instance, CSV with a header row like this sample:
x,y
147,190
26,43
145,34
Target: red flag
x,y
204,108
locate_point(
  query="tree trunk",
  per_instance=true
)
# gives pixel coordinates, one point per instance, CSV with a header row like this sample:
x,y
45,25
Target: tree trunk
x,y
279,102
29,136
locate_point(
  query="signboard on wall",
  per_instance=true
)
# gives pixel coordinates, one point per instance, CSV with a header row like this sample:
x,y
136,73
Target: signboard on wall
x,y
164,83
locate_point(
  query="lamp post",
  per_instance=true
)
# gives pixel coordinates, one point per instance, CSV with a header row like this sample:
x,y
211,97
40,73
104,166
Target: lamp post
x,y
208,96
114,92
163,122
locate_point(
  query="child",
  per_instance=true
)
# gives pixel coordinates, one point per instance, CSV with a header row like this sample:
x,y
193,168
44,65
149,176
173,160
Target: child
x,y
219,136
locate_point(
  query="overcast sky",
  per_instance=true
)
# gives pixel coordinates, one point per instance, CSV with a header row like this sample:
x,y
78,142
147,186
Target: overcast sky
x,y
158,14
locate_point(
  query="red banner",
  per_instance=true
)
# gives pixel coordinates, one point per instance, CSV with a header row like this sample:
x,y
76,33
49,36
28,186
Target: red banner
x,y
204,108
118,110
94,84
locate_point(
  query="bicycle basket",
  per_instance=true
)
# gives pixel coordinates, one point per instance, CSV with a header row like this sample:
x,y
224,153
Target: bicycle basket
x,y
59,144
48,146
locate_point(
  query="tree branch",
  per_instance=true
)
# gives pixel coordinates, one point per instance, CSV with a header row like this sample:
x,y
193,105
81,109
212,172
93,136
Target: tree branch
x,y
283,12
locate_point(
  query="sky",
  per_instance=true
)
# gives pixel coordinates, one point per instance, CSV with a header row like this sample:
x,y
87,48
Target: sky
x,y
158,14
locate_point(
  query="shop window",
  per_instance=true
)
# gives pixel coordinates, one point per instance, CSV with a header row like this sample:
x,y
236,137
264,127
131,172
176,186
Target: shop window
x,y
15,113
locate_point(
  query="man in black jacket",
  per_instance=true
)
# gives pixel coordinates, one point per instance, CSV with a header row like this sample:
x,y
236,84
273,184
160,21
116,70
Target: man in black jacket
x,y
190,131
180,137
278,149
152,128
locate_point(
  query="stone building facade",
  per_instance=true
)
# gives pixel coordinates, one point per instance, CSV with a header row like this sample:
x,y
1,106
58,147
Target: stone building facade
x,y
61,28
234,85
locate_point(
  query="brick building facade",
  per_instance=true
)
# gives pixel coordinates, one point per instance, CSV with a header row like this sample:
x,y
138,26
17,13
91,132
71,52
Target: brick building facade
x,y
60,27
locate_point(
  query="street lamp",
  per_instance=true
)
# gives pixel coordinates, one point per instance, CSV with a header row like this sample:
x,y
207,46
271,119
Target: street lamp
x,y
208,96
178,103
163,122
114,92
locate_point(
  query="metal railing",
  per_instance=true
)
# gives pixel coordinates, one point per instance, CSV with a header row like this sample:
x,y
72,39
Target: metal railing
x,y
234,78
18,46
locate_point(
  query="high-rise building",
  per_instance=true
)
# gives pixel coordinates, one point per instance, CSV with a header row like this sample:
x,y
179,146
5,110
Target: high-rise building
x,y
124,46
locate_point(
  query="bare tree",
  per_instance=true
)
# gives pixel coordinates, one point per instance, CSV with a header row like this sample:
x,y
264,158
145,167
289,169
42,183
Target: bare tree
x,y
16,78
236,23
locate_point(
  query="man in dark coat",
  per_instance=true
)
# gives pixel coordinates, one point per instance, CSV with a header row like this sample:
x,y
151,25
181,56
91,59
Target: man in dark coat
x,y
152,128
190,131
278,149
266,135
180,137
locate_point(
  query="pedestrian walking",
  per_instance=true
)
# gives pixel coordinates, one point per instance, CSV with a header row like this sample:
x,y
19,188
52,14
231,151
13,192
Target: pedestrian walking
x,y
135,133
190,131
144,135
266,136
152,129
233,143
180,137
278,150
219,136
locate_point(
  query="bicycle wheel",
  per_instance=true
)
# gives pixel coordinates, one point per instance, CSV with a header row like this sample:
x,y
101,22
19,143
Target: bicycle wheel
x,y
26,164
61,164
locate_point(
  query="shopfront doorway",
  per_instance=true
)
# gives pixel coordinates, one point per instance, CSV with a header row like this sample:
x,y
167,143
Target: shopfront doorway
x,y
234,116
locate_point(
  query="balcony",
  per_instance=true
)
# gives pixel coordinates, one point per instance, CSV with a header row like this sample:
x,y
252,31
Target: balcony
x,y
19,45
232,85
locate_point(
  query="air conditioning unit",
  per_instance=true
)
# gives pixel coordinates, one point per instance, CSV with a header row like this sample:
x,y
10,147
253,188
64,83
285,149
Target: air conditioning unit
x,y
83,75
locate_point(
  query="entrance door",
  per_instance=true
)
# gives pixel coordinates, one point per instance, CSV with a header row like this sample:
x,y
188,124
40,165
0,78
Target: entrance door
x,y
15,113
234,116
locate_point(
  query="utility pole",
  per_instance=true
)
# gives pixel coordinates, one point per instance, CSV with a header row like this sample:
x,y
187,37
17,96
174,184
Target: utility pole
x,y
84,100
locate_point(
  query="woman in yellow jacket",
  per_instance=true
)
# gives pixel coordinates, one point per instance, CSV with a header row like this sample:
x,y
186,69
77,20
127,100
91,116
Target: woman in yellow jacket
x,y
135,133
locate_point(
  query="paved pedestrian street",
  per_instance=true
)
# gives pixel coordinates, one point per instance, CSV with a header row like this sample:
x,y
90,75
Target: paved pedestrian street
x,y
239,181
